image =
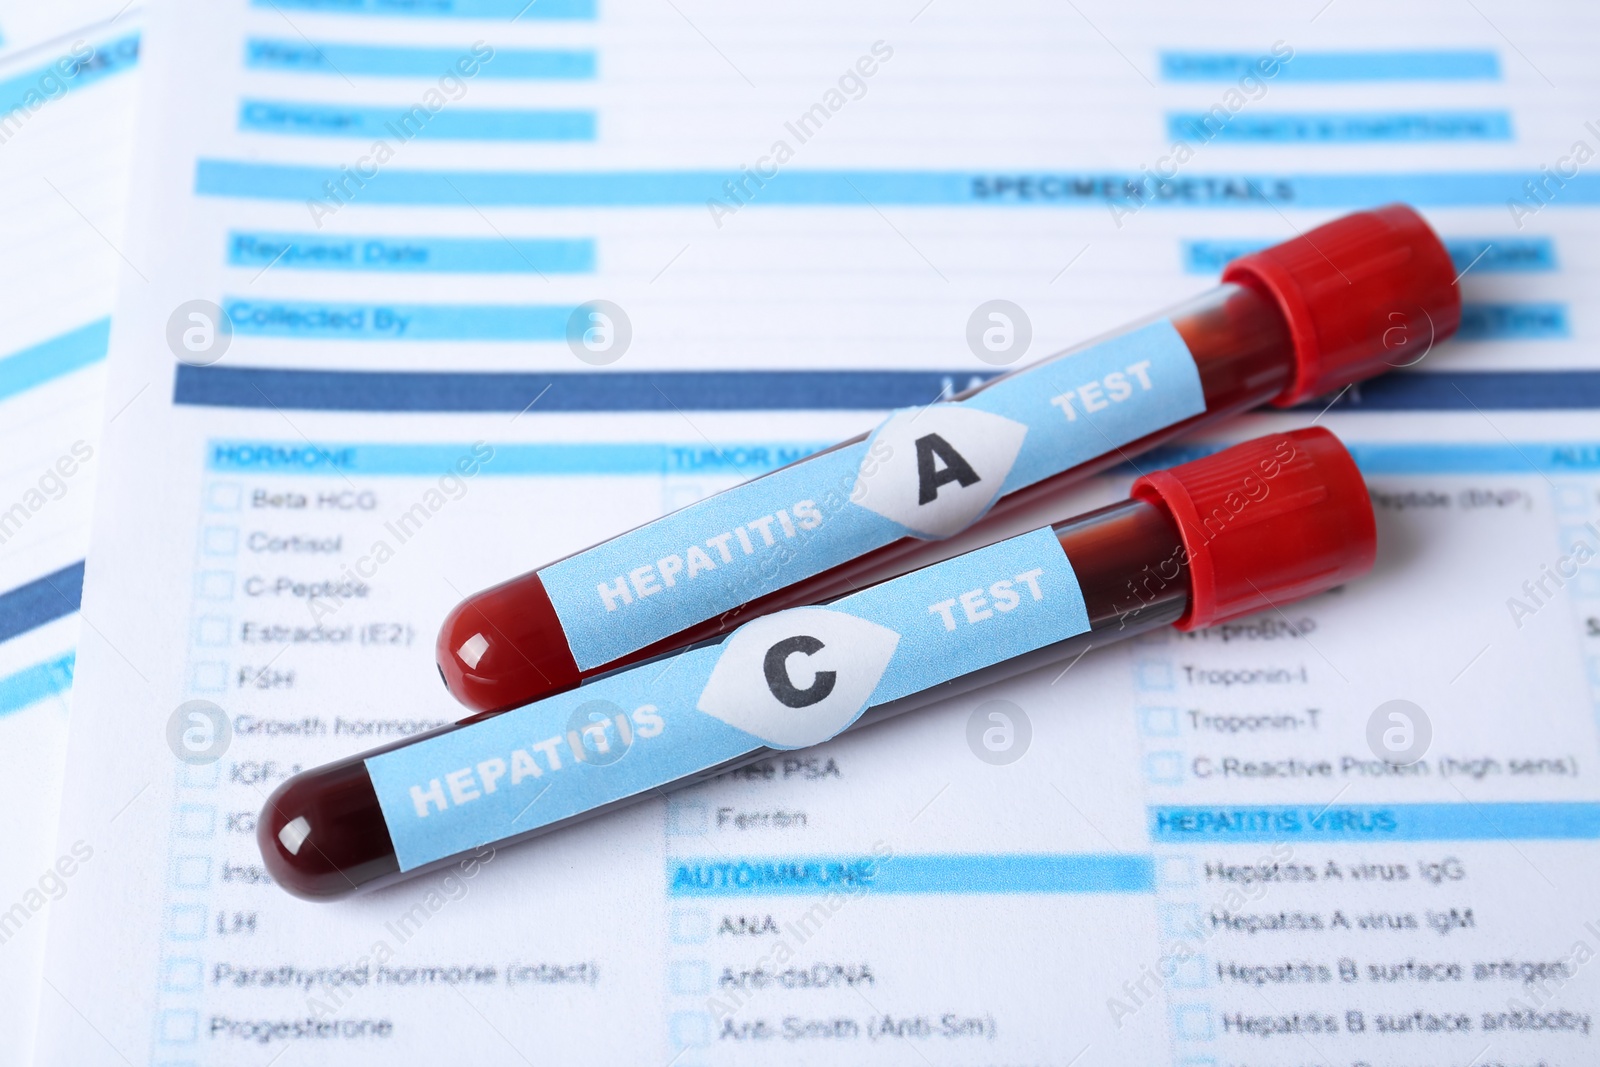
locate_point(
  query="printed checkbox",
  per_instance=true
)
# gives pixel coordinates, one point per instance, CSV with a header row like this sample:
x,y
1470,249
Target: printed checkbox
x,y
195,820
1153,674
690,926
200,775
181,974
186,922
219,541
211,631
177,1027
687,818
1188,972
213,585
1158,721
208,676
223,496
1175,872
690,1029
1180,922
1570,499
191,872
1164,768
1572,537
1192,1022
688,978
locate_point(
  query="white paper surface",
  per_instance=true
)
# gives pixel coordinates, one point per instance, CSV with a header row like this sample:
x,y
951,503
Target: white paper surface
x,y
589,946
63,167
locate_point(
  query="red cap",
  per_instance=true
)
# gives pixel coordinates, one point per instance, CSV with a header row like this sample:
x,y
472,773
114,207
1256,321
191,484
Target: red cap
x,y
1266,522
1362,294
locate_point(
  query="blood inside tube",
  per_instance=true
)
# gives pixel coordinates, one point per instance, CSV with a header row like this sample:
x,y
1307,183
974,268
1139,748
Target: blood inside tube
x,y
506,646
323,833
1292,321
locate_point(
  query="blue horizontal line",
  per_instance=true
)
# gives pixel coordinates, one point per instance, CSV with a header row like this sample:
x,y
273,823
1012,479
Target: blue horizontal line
x,y
831,390
269,181
411,254
341,459
461,9
25,94
1482,255
1513,322
449,124
1529,458
313,390
42,600
47,360
986,874
365,459
1552,390
1531,821
1211,256
1502,255
397,322
33,684
338,459
1331,66
359,60
1339,128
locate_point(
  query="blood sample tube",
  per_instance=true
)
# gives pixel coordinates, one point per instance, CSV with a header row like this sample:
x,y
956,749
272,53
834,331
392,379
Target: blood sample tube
x,y
1335,305
1254,526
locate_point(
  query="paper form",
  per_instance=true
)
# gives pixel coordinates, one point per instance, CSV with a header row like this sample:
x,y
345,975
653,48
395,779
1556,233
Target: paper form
x,y
1132,887
25,27
66,106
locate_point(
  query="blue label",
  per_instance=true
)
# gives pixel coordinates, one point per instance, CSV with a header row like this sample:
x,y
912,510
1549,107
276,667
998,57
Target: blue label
x,y
925,472
787,680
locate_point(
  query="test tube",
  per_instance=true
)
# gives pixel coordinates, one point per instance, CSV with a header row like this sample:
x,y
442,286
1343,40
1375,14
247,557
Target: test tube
x,y
1254,526
1337,304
